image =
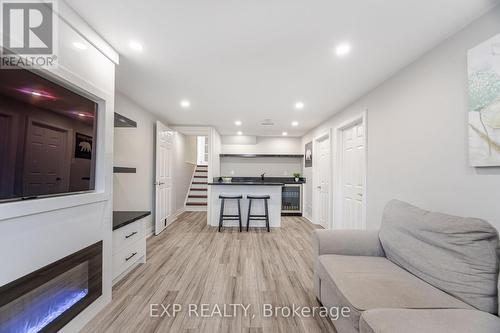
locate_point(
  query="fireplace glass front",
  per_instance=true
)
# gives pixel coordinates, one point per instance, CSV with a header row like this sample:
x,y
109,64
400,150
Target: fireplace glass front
x,y
47,299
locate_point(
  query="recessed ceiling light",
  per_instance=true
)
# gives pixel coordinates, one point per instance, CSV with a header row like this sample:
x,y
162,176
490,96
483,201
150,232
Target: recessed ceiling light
x,y
343,49
36,93
284,133
81,114
136,46
237,123
185,103
80,45
299,105
240,133
295,123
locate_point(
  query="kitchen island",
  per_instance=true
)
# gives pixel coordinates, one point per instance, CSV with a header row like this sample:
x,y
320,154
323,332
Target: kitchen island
x,y
244,188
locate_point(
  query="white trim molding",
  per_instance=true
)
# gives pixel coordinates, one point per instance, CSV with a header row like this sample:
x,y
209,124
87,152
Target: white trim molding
x,y
324,136
337,166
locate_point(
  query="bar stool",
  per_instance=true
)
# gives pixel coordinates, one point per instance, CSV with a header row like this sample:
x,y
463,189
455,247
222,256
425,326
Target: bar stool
x,y
257,217
223,217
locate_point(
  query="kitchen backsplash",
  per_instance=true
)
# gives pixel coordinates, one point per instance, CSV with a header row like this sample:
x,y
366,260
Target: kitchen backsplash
x,y
251,167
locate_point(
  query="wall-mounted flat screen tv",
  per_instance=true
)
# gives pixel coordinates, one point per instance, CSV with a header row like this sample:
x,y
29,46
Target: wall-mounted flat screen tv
x,y
47,138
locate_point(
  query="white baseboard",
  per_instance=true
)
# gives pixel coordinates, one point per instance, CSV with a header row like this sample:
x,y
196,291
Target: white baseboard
x,y
151,231
128,270
178,212
307,218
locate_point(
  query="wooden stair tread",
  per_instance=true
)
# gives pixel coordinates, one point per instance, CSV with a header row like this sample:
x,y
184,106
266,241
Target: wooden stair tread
x,y
197,196
200,177
198,189
200,183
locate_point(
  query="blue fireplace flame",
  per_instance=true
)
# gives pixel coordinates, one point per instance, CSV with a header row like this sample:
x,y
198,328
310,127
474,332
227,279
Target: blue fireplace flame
x,y
43,311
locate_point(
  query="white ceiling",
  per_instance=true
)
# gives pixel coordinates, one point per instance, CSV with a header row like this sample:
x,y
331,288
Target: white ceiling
x,y
251,60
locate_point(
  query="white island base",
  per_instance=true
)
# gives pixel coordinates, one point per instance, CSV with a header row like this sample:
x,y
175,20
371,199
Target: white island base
x,y
231,206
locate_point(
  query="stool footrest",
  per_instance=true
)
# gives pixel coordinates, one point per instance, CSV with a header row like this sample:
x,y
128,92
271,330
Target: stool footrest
x,y
258,217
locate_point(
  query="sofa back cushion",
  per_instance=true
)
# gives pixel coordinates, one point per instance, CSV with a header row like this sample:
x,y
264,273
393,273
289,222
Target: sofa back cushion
x,y
455,254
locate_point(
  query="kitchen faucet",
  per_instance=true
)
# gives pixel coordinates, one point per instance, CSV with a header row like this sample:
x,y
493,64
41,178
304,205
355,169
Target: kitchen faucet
x,y
262,176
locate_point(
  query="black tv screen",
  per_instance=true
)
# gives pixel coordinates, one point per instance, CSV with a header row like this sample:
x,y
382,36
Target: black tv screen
x,y
47,137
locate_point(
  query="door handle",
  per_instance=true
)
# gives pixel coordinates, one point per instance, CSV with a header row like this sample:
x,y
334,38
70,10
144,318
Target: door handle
x,y
128,236
131,256
58,178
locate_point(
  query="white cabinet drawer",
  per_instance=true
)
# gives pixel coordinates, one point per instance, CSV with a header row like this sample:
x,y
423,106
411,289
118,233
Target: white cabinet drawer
x,y
129,255
127,235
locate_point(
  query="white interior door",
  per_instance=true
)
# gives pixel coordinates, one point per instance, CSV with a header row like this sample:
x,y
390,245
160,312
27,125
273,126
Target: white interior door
x,y
46,161
323,182
163,182
353,176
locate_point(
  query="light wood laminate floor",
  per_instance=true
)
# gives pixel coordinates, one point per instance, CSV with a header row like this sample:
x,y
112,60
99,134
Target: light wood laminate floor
x,y
191,263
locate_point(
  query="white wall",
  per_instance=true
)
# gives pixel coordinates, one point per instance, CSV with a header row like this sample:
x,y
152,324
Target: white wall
x,y
261,145
191,153
135,147
183,168
36,233
417,135
215,147
253,167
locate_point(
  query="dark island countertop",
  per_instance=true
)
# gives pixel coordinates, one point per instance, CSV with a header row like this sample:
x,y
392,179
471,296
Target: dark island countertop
x,y
268,181
122,218
263,183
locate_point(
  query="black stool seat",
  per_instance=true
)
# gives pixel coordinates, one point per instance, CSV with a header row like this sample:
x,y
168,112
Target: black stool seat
x,y
258,197
225,217
228,196
258,217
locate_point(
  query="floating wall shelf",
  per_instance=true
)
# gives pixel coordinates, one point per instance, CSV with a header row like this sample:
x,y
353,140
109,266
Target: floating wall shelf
x,y
122,121
262,155
124,170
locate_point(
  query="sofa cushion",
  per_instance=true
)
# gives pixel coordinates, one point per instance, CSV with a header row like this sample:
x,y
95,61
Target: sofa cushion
x,y
364,283
455,254
428,321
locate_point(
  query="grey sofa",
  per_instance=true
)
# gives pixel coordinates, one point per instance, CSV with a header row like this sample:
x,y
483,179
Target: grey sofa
x,y
421,272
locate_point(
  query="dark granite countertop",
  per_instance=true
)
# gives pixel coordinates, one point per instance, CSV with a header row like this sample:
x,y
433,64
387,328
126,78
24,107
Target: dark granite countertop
x,y
122,218
269,181
263,183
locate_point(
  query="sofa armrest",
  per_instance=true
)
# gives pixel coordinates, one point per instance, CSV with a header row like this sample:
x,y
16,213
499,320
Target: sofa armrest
x,y
347,242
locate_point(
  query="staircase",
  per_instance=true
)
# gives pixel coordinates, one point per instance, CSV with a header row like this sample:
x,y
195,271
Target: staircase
x,y
196,199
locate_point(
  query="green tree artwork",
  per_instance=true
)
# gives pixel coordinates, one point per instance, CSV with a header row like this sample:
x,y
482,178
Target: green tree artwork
x,y
484,103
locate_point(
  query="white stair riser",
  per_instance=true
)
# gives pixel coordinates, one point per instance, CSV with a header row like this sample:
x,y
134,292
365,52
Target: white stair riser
x,y
195,208
197,200
200,175
197,193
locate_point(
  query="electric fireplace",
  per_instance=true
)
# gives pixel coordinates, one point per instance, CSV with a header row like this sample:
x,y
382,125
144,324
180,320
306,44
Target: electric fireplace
x,y
47,299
